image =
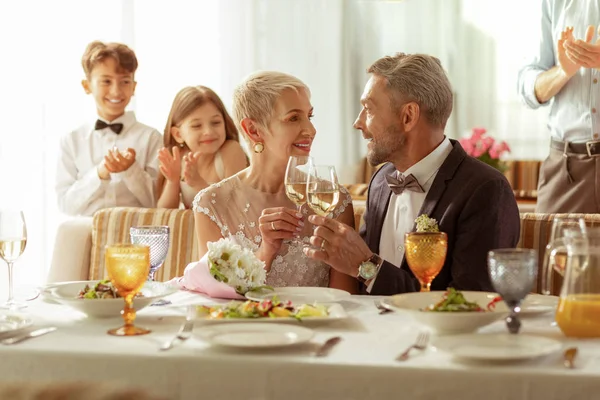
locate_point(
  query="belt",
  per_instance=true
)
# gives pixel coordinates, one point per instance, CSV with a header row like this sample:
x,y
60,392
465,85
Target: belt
x,y
591,148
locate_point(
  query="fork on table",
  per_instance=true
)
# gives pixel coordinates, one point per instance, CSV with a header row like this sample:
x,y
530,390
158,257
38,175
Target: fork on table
x,y
420,344
184,334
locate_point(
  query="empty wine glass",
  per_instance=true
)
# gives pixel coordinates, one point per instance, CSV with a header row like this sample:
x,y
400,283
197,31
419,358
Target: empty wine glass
x,y
513,273
555,257
155,237
322,189
13,239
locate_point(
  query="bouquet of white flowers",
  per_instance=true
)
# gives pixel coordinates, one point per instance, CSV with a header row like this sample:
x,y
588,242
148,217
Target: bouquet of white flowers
x,y
236,266
226,271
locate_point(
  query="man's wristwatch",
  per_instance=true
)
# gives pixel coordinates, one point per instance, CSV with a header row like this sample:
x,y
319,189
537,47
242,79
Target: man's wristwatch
x,y
367,270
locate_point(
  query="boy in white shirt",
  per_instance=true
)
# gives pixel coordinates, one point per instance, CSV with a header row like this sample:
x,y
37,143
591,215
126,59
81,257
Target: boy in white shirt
x,y
111,162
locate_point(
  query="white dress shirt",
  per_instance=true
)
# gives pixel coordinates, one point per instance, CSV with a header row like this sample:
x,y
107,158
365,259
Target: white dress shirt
x,y
80,190
574,114
403,208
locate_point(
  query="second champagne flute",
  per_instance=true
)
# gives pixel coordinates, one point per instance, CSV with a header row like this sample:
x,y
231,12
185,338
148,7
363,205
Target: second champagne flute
x,y
322,189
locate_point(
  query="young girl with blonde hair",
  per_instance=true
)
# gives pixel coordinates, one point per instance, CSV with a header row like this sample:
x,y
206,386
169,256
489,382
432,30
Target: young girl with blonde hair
x,y
201,147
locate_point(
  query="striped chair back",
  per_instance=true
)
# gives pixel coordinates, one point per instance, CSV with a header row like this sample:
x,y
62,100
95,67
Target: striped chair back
x,y
111,226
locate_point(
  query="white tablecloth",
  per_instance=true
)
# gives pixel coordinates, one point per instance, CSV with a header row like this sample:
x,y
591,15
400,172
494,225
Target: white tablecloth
x,y
362,366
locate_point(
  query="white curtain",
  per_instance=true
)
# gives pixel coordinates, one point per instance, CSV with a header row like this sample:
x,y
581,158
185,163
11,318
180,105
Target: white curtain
x,y
495,41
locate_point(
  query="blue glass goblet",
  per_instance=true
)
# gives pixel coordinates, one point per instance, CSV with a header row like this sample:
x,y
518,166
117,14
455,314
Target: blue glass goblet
x,y
155,237
513,273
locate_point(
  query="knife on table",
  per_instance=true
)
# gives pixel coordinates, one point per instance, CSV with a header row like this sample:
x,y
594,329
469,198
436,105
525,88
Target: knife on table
x,y
29,335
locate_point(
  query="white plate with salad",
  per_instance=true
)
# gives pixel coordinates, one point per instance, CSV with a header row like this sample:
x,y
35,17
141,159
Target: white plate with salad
x,y
450,312
99,299
299,295
270,310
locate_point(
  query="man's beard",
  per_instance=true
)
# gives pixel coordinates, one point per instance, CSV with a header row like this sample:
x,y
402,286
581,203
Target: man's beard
x,y
390,142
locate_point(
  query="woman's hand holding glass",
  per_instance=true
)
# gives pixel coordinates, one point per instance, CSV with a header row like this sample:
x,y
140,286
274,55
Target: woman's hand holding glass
x,y
276,225
170,164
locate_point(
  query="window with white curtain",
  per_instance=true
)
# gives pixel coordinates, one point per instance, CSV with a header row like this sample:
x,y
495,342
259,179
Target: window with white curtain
x,y
216,43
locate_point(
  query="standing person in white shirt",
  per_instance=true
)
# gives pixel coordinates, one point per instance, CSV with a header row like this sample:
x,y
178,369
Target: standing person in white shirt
x,y
112,161
565,70
406,104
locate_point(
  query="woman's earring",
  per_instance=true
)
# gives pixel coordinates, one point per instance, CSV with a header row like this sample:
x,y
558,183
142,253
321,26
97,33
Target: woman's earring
x,y
258,147
181,145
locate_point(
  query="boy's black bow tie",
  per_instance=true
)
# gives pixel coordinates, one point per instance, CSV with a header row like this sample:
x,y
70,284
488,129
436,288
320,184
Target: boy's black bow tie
x,y
399,185
116,128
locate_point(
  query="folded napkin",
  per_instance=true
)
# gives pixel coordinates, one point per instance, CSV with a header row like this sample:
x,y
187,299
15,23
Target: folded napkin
x,y
197,278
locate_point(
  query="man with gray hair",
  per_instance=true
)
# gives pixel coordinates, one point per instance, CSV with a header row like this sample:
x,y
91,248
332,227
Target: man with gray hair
x,y
405,106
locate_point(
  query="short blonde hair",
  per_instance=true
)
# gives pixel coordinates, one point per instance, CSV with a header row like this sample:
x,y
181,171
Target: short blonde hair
x,y
256,95
419,78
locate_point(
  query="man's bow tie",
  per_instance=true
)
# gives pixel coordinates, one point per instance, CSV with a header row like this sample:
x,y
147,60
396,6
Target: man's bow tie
x,y
408,182
116,128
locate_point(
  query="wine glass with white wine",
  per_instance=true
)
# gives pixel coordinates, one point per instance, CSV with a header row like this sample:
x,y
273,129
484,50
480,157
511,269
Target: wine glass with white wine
x,y
323,189
13,239
296,176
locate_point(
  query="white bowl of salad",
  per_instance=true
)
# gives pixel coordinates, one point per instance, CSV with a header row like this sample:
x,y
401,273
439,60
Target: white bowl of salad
x,y
452,311
99,299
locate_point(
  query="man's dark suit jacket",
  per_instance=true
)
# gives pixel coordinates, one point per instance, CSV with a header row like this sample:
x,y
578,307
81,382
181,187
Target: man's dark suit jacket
x,y
472,202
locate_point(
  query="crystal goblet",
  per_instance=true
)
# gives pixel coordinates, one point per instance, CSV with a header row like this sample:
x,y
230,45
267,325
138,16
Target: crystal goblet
x,y
513,273
127,266
425,254
155,237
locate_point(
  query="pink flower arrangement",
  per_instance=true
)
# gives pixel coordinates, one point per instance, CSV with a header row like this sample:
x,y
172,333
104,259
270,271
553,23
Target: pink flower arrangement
x,y
485,148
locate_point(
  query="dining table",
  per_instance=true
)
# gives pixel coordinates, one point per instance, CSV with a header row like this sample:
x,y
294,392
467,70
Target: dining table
x,y
362,365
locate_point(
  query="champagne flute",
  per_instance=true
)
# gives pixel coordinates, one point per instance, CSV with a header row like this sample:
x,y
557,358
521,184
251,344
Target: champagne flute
x,y
128,266
425,255
296,175
13,239
322,189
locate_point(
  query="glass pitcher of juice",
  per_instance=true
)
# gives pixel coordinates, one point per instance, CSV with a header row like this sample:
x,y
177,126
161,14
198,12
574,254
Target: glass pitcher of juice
x,y
578,312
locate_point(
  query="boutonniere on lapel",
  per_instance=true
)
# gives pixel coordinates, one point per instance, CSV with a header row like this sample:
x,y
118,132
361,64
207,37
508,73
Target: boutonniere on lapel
x,y
426,250
426,224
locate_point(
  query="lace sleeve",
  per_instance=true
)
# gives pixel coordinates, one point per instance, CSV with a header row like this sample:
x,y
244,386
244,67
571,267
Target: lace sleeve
x,y
205,202
345,199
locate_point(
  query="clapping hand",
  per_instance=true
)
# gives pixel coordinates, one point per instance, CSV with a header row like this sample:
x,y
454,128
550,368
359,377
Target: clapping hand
x,y
116,161
190,171
567,64
276,225
584,53
170,165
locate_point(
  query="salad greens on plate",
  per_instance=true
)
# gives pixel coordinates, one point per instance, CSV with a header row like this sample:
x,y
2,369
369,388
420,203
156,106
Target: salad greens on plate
x,y
454,301
269,308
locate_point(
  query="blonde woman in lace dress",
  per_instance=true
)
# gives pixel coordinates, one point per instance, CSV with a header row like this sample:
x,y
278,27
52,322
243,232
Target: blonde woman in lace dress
x,y
274,112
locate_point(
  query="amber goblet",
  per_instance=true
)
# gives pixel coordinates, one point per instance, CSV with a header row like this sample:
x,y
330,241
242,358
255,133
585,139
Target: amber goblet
x,y
425,254
128,266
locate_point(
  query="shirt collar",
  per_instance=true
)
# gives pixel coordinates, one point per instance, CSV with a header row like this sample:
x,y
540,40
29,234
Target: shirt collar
x,y
428,166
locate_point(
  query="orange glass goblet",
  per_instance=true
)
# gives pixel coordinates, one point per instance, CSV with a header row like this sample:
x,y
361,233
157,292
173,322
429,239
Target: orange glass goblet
x,y
128,266
425,254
